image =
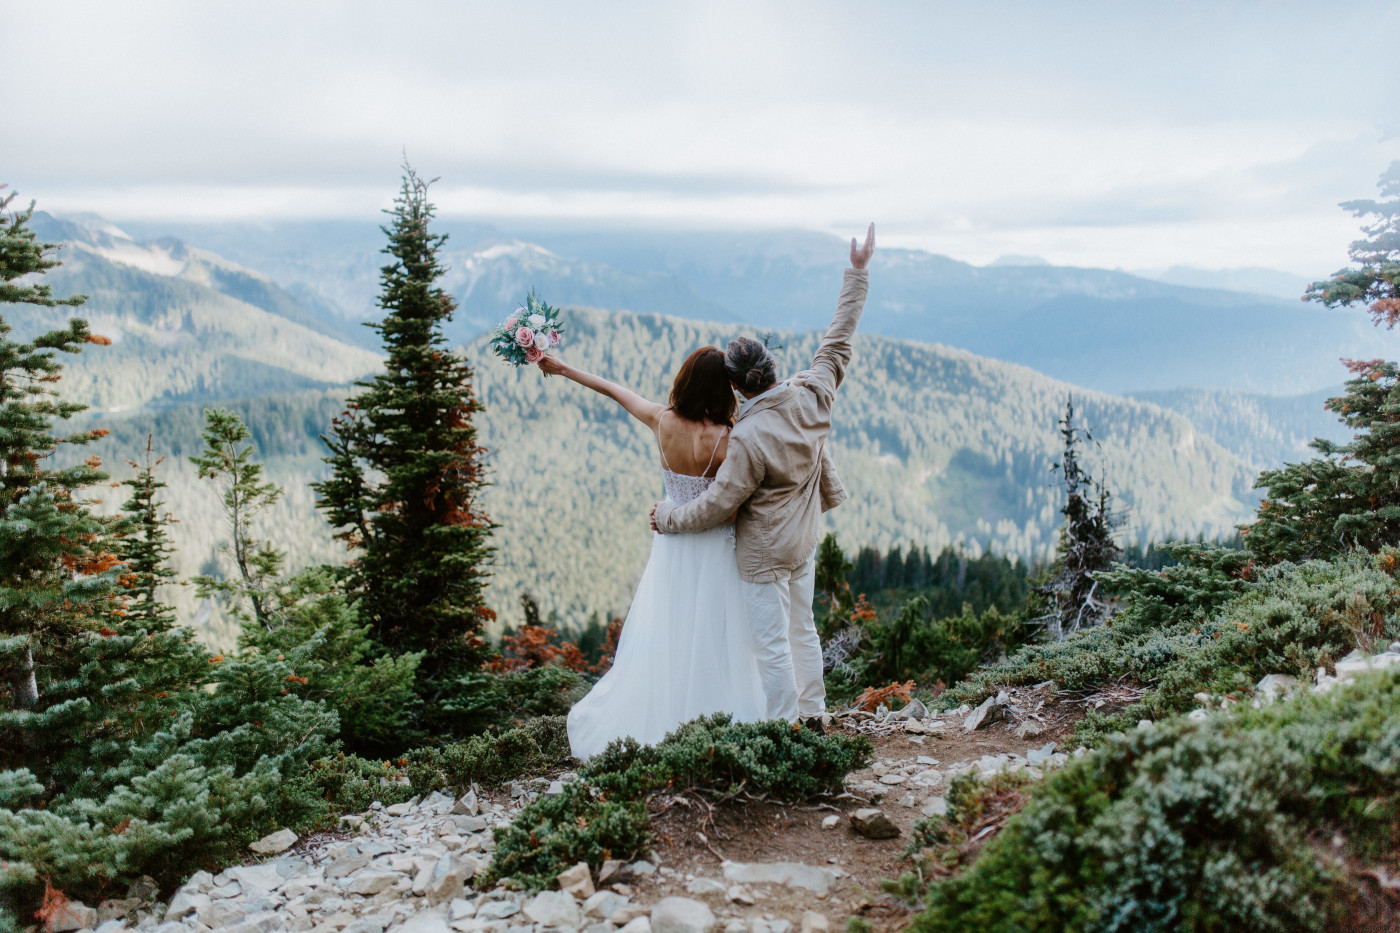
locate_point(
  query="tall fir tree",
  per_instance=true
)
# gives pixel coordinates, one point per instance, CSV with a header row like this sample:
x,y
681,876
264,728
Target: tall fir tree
x,y
1075,598
407,473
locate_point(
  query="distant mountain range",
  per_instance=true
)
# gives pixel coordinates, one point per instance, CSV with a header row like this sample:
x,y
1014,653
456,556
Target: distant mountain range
x,y
1103,329
938,445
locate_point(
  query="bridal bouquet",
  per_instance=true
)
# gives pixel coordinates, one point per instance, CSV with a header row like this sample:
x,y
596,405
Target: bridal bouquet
x,y
528,333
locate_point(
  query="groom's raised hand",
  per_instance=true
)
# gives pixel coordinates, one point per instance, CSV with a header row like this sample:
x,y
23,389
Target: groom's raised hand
x,y
860,255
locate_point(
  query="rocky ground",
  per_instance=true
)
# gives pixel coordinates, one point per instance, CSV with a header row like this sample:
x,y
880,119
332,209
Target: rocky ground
x,y
744,866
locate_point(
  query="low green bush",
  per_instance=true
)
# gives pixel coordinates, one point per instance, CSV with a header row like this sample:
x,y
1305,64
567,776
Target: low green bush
x,y
1213,623
580,825
538,745
603,814
1195,825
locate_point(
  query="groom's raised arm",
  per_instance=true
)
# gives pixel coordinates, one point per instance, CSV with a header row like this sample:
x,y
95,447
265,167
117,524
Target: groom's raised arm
x,y
834,354
736,480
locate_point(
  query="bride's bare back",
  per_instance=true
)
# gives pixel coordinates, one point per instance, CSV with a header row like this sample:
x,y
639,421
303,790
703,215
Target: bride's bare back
x,y
693,448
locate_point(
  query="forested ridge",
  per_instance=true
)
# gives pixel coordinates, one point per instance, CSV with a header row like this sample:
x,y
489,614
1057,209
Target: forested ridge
x,y
938,447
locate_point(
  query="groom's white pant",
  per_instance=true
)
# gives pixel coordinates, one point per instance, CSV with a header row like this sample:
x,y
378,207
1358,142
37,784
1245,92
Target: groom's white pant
x,y
786,643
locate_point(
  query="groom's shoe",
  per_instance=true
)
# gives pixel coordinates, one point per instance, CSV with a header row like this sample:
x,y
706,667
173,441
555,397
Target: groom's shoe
x,y
815,724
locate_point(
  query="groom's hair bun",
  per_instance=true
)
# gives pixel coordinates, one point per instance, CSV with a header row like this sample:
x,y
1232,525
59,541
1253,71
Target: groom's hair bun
x,y
750,364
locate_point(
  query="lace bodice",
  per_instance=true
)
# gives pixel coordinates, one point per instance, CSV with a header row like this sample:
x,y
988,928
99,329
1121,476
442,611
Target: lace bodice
x,y
681,488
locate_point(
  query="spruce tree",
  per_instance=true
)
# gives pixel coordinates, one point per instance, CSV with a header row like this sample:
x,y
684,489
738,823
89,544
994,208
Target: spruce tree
x,y
227,461
1350,496
1076,599
1376,279
407,473
305,613
145,547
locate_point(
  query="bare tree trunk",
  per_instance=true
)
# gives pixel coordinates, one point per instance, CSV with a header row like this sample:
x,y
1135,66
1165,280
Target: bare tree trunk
x,y
26,686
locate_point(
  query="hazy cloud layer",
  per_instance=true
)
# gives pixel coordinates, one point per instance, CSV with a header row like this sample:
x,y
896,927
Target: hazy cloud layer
x,y
1092,134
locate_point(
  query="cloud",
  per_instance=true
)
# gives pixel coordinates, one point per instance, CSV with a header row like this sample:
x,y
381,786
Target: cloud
x,y
987,128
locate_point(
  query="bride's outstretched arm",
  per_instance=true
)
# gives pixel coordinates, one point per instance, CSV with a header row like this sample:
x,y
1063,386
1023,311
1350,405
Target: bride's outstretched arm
x,y
645,411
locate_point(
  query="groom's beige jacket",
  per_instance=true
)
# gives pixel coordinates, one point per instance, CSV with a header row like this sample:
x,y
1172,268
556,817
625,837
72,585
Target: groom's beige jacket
x,y
778,475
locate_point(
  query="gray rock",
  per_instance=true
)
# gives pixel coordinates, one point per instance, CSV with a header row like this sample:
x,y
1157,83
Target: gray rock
x,y
577,881
741,895
399,809
813,922
267,921
873,824
603,904
186,902
118,908
144,889
935,806
447,881
703,886
1038,756
992,710
220,913
791,874
426,921
370,923
612,870
829,822
640,924
1275,685
497,910
371,883
111,926
643,868
257,880
681,915
467,805
781,925
71,915
461,909
273,843
553,909
1029,729
171,927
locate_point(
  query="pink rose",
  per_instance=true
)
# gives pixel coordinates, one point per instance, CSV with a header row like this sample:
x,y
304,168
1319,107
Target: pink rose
x,y
534,355
511,323
525,336
554,338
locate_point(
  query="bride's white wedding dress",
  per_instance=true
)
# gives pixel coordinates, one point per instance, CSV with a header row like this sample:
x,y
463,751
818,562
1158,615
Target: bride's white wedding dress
x,y
685,649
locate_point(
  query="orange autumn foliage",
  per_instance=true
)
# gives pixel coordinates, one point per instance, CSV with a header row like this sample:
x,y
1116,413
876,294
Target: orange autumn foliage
x,y
875,696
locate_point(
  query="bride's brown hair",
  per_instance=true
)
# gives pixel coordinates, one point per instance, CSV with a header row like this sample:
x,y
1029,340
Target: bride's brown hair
x,y
701,391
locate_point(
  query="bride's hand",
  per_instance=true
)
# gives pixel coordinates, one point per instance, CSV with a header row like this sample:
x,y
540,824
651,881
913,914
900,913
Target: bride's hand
x,y
860,256
551,365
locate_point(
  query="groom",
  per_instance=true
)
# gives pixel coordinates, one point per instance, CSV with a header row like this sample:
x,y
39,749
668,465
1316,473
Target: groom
x,y
778,476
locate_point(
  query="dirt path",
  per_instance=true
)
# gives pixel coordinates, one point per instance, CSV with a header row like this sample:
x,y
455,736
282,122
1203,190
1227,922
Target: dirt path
x,y
908,772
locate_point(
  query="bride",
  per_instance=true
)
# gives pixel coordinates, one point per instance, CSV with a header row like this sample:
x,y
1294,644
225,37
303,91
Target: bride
x,y
686,648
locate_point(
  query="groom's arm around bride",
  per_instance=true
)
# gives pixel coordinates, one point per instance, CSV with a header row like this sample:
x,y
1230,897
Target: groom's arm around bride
x,y
777,475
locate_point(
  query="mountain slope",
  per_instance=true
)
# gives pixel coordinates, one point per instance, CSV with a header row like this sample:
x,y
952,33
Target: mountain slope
x,y
187,326
1100,328
937,446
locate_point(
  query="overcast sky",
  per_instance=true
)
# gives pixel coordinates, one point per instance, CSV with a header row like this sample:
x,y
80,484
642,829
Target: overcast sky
x,y
1116,134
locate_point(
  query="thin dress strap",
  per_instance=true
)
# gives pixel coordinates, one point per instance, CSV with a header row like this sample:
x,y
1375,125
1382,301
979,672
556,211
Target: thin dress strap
x,y
722,435
659,447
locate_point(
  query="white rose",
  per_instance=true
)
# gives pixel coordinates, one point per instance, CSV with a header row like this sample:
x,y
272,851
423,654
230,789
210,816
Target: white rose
x,y
541,340
537,320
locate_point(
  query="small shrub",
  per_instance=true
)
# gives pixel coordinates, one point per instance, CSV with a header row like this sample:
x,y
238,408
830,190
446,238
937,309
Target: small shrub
x,y
604,815
489,759
554,832
345,784
1194,826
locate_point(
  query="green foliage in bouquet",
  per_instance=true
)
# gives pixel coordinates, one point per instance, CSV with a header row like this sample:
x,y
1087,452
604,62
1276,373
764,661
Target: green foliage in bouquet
x,y
1195,826
528,333
605,811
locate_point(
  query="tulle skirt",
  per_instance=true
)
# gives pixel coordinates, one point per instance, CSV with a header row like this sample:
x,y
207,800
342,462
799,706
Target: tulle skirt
x,y
685,649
